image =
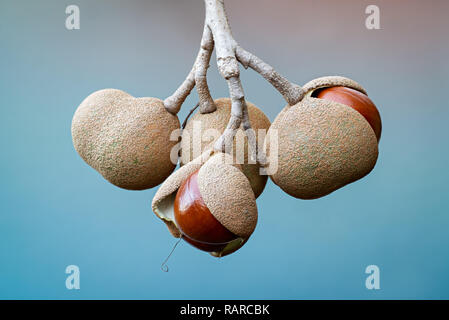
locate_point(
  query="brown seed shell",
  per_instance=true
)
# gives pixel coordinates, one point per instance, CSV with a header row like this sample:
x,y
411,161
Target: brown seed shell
x,y
163,201
164,198
124,138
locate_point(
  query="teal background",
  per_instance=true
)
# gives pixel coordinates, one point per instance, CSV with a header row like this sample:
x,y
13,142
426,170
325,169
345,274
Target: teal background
x,y
56,211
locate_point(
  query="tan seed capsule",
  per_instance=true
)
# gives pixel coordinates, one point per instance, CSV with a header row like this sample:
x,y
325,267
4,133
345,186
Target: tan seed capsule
x,y
322,145
126,139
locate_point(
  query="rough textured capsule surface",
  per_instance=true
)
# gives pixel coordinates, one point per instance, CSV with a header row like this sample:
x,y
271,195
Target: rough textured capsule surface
x,y
228,195
126,139
322,146
331,81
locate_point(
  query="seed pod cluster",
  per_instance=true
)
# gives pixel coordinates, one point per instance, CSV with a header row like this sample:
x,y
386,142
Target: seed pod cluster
x,y
324,142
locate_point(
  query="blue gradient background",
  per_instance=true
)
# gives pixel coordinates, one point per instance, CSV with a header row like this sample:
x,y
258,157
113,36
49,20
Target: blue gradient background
x,y
55,210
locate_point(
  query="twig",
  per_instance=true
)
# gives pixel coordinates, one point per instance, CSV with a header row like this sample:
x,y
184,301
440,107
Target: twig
x,y
207,104
217,32
197,75
174,102
291,92
217,21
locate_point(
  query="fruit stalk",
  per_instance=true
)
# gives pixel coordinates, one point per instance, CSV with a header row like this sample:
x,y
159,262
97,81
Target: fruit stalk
x,y
217,32
196,76
228,67
174,102
291,92
202,64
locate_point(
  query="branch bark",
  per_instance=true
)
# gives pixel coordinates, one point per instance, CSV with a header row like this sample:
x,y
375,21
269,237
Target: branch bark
x,y
217,32
291,92
227,48
174,102
217,21
196,76
207,104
